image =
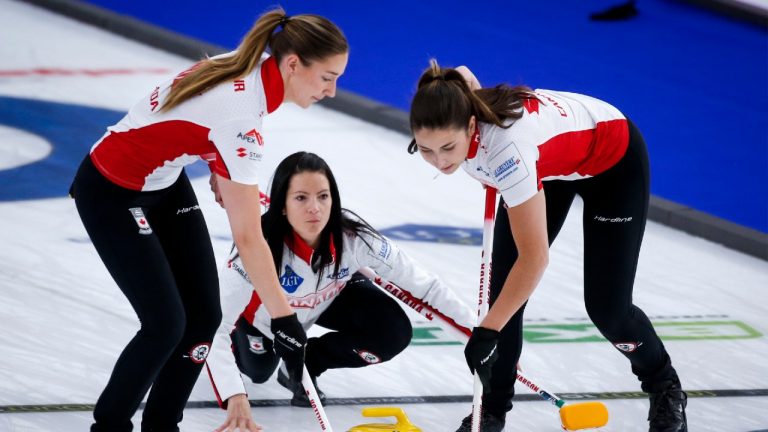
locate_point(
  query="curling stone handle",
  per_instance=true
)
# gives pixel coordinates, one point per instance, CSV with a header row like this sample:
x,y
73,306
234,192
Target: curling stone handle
x,y
398,413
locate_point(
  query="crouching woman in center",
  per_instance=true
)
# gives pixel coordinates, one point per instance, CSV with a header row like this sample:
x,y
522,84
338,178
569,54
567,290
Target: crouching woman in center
x,y
318,248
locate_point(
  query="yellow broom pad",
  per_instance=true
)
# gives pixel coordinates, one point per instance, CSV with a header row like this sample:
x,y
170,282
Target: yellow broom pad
x,y
584,415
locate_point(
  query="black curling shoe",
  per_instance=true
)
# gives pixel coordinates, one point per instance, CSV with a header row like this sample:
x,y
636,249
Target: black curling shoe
x,y
488,423
667,413
300,398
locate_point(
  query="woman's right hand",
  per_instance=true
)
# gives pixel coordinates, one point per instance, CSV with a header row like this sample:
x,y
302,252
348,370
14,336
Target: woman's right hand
x,y
215,189
239,416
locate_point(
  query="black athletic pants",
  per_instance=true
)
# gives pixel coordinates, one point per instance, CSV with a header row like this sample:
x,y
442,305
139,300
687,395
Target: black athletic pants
x,y
157,248
368,327
615,209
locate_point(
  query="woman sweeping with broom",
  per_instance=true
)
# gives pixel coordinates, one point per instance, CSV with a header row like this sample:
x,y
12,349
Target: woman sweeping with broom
x,y
540,149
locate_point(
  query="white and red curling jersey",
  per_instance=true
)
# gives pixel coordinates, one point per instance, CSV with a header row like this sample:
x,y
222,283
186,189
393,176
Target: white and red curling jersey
x,y
309,300
147,149
561,136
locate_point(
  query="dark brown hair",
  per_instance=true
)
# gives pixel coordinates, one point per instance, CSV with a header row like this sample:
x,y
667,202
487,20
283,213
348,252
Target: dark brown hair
x,y
310,37
278,231
444,100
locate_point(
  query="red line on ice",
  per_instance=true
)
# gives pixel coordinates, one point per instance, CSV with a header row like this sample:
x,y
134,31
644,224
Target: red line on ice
x,y
76,72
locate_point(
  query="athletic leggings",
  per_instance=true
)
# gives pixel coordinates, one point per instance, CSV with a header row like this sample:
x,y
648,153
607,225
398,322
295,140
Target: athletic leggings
x,y
615,209
367,327
157,248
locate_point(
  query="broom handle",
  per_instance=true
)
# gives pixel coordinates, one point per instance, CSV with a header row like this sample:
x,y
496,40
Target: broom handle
x,y
458,332
449,326
314,401
482,297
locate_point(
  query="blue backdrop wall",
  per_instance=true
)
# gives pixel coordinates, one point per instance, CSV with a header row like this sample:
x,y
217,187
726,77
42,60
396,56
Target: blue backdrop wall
x,y
696,83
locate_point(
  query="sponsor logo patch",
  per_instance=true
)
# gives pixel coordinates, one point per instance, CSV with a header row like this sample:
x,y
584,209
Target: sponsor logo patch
x,y
385,250
141,220
241,271
287,340
187,209
199,352
252,137
382,253
368,356
511,170
613,220
628,347
251,155
290,281
343,272
505,167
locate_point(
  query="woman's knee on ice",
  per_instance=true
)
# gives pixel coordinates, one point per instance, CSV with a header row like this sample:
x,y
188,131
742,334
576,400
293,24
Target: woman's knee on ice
x,y
256,362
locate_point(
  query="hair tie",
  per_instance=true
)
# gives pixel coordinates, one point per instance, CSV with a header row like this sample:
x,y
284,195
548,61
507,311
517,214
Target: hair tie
x,y
283,21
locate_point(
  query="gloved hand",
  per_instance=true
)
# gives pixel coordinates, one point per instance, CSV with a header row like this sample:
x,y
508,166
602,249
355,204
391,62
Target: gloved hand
x,y
481,353
290,343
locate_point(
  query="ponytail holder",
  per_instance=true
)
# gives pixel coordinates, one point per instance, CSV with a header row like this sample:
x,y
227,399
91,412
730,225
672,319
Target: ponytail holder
x,y
283,21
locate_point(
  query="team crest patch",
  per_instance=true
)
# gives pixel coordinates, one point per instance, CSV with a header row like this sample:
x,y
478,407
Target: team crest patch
x,y
199,352
290,281
628,347
141,220
368,356
256,344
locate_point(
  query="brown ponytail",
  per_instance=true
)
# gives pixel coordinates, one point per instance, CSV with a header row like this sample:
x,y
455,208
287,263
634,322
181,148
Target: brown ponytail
x,y
310,37
444,100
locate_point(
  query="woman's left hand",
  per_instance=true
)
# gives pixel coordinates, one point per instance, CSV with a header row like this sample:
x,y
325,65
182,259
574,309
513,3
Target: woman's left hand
x,y
481,353
239,416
